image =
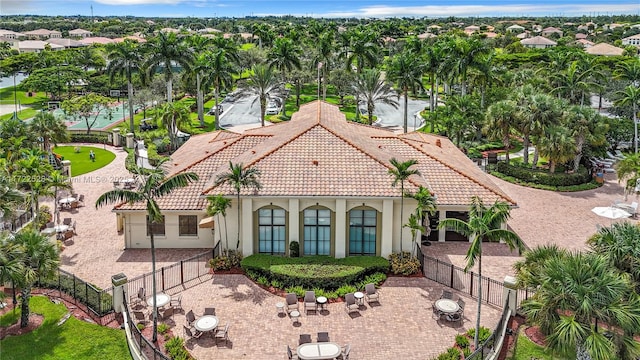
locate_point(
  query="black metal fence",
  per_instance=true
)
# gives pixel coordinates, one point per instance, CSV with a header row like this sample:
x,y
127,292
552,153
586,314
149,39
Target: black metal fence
x,y
488,346
456,278
98,302
143,345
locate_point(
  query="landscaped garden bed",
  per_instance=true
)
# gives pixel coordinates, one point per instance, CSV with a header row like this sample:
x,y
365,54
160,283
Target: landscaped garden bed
x,y
542,179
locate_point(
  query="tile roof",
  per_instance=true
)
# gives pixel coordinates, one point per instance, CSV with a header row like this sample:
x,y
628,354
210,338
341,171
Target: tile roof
x,y
604,49
537,40
319,153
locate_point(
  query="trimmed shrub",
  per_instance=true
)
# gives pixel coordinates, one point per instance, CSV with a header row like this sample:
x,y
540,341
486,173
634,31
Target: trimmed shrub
x,y
89,138
294,249
344,290
543,177
45,216
175,349
450,354
462,341
482,337
228,260
405,264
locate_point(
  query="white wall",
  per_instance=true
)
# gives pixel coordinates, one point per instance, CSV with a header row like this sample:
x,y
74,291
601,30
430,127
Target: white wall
x,y
135,232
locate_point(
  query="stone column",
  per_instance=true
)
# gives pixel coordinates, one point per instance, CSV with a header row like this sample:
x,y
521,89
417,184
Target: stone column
x,y
386,243
246,224
119,291
510,290
294,222
130,141
66,167
116,137
442,233
341,228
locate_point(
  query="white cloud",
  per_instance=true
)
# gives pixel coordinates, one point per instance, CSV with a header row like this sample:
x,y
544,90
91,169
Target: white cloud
x,y
138,2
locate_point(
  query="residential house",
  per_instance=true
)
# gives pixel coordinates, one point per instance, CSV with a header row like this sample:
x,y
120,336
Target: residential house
x,y
632,40
96,40
581,36
549,31
585,43
80,33
67,43
325,184
538,42
43,34
36,46
515,28
8,34
426,35
471,29
604,49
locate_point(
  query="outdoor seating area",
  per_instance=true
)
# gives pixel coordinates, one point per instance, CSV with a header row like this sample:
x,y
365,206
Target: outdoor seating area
x,y
127,184
631,208
323,348
449,309
70,202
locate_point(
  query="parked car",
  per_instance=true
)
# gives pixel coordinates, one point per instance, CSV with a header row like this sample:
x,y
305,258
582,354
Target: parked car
x,y
273,108
147,125
231,97
212,111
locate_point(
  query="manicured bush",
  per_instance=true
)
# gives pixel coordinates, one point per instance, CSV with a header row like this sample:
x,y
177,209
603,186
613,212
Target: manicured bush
x,y
228,260
572,188
294,249
405,264
316,275
89,138
543,177
450,354
163,328
175,349
462,341
344,290
45,216
298,290
482,337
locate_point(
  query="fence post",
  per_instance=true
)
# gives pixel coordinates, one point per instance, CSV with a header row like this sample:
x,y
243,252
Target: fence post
x,y
86,291
162,273
471,286
181,272
451,278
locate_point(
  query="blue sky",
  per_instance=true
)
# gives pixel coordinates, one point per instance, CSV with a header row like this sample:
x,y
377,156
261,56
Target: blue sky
x,y
320,8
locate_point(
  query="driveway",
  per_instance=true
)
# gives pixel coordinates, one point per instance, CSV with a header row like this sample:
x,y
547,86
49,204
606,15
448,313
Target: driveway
x,y
388,116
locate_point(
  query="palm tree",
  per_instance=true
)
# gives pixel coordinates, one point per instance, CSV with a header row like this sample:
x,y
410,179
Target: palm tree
x,y
165,50
484,224
284,56
218,205
370,87
11,266
620,244
262,83
401,171
546,113
501,117
629,71
155,184
125,59
528,270
572,299
324,53
586,125
199,45
630,96
406,71
433,59
558,146
239,178
10,196
362,51
50,129
221,70
415,225
39,258
464,54
572,83
628,169
173,115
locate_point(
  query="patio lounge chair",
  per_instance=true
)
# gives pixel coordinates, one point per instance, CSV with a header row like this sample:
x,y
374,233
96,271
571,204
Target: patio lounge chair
x,y
304,339
292,302
345,352
370,293
190,317
210,311
190,334
620,155
350,303
222,334
310,302
291,353
323,336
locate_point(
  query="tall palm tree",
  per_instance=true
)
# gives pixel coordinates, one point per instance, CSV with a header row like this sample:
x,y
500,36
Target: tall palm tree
x,y
173,115
484,224
284,56
125,59
221,69
40,259
362,50
546,113
572,299
401,171
629,71
218,205
165,50
155,184
433,59
572,83
501,117
586,126
199,45
50,129
324,53
240,178
630,96
371,88
415,225
406,71
263,83
426,207
465,53
558,145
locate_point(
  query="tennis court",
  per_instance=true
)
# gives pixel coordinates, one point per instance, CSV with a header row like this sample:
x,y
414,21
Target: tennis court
x,y
106,120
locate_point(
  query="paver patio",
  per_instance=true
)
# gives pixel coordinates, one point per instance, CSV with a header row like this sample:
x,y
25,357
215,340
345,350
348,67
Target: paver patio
x,y
401,327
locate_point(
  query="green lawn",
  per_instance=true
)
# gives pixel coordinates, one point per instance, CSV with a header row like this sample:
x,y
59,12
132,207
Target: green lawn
x,y
80,162
75,339
526,349
6,97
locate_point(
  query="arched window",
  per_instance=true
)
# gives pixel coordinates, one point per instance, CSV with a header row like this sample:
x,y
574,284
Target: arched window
x,y
362,232
317,232
271,231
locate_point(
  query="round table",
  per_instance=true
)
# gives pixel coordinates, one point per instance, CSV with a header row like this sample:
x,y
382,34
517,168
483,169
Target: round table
x,y
322,302
280,307
359,297
206,323
295,315
61,228
447,306
162,299
67,200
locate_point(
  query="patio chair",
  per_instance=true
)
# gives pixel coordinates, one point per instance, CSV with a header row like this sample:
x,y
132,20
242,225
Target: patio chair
x,y
74,205
292,302
350,303
323,336
291,354
454,317
190,334
190,317
437,314
345,352
446,294
67,221
81,200
310,302
304,339
222,334
461,305
209,311
176,302
139,317
370,293
167,313
73,227
50,224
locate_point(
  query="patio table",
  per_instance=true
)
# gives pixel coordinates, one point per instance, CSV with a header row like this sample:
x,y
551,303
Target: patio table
x,y
162,299
206,323
318,351
447,306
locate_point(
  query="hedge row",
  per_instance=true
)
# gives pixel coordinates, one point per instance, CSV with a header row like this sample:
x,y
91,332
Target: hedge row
x,y
544,178
313,271
89,138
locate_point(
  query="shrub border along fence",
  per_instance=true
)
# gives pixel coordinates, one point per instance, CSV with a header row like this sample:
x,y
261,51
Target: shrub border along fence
x,y
143,347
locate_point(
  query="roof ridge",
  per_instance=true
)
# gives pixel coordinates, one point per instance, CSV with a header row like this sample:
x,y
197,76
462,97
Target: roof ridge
x,y
459,171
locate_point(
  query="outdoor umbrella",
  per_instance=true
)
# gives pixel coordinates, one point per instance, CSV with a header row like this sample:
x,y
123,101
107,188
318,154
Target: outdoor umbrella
x,y
610,212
